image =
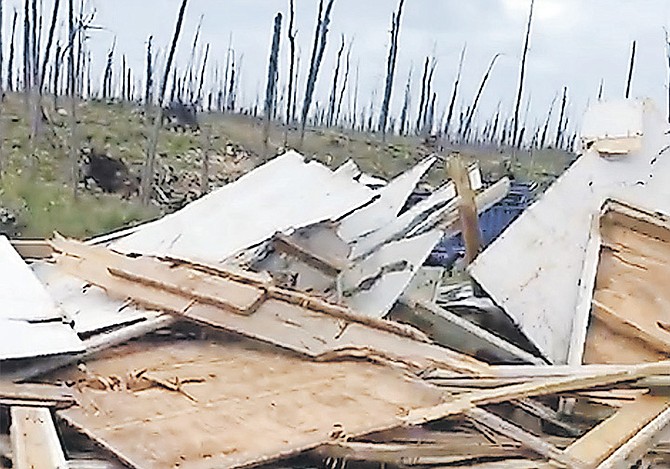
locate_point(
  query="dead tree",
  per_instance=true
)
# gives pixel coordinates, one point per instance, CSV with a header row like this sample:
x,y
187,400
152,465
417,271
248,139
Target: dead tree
x,y
273,75
545,130
201,80
320,37
667,52
602,84
149,83
390,68
56,74
123,77
107,77
422,101
148,170
430,116
454,93
10,63
291,83
559,129
27,48
426,92
188,72
522,75
404,113
333,90
344,84
50,38
480,90
71,88
631,68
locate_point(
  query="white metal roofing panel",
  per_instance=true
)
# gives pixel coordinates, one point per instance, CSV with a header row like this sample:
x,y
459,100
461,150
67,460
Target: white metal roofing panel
x,y
533,269
392,198
31,324
282,194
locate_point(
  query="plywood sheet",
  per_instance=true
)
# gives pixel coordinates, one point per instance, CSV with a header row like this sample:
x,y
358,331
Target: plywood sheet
x,y
254,405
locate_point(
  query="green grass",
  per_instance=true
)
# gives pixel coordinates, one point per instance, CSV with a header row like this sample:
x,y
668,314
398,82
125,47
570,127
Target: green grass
x,y
36,181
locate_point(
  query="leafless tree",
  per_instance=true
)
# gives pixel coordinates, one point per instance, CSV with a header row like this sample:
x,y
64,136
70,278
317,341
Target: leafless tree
x,y
148,170
344,84
188,78
333,89
404,113
320,37
667,53
631,68
107,77
201,80
480,90
149,83
522,75
273,75
454,92
602,85
72,87
559,129
10,64
390,68
50,38
291,79
543,138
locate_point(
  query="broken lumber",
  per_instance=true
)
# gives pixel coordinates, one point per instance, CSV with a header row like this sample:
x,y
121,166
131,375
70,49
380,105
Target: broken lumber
x,y
35,395
34,439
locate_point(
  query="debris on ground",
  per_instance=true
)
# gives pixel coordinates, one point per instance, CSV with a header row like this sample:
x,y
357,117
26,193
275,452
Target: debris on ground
x,y
291,317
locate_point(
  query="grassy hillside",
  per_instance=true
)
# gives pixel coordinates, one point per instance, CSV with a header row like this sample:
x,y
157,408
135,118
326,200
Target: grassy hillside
x,y
36,188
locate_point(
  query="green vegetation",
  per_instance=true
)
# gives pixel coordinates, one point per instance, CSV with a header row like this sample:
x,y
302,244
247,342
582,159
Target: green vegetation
x,y
36,181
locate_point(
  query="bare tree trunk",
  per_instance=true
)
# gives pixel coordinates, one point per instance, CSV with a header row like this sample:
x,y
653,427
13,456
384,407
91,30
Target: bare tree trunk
x,y
107,78
123,78
480,90
320,36
10,64
294,106
333,90
290,103
201,81
56,74
26,52
522,75
344,84
667,52
390,68
429,93
404,114
559,130
149,86
631,68
148,173
273,74
430,116
454,93
72,87
422,102
602,84
545,131
188,73
50,38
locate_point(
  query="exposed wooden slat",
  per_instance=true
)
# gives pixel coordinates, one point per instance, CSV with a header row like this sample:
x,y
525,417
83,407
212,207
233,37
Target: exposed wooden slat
x,y
42,395
35,443
598,444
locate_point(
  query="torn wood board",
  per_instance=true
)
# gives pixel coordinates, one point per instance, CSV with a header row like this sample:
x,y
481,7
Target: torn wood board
x,y
630,299
296,405
289,319
40,395
457,333
373,285
392,198
541,291
31,324
35,442
285,193
603,440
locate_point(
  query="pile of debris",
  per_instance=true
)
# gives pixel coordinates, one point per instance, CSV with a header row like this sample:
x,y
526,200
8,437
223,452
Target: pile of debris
x,y
288,318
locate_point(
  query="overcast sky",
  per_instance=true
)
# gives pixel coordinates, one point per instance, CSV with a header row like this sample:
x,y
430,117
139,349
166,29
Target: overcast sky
x,y
574,43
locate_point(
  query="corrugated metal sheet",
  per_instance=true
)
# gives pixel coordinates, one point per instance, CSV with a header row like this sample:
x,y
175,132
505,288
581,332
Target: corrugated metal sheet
x,y
31,324
533,270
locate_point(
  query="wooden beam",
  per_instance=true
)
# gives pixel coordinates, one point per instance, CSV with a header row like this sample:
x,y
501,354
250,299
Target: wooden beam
x,y
41,395
656,338
35,442
458,172
603,440
32,248
530,441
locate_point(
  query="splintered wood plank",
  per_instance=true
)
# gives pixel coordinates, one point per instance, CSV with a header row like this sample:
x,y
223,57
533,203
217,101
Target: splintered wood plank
x,y
603,440
254,404
35,395
35,443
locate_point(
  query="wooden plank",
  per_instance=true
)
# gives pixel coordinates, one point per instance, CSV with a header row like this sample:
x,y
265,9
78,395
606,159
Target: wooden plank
x,y
35,443
467,207
640,444
598,444
519,391
527,439
38,394
287,245
32,248
656,338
